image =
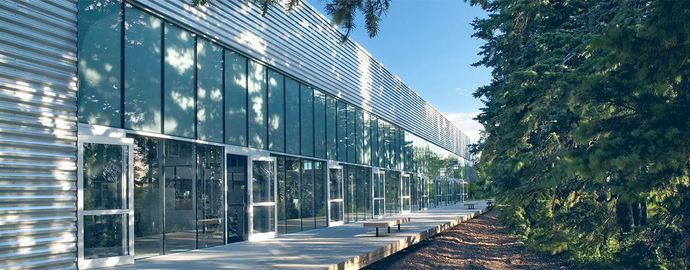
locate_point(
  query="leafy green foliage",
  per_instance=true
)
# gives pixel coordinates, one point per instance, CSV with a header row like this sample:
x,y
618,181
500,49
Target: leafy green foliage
x,y
587,123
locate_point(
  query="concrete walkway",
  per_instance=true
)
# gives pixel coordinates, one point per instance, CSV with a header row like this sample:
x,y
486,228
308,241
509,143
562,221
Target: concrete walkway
x,y
342,247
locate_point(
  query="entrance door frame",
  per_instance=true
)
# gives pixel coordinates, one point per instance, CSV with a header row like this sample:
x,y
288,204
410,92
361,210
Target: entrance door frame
x,y
128,195
404,196
335,165
250,194
374,172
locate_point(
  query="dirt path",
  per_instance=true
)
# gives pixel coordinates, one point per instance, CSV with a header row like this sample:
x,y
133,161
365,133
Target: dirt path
x,y
481,243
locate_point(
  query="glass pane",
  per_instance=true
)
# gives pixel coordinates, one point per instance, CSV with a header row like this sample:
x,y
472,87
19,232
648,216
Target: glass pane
x,y
336,211
320,206
148,197
392,192
143,36
331,126
264,218
378,207
335,183
349,185
276,111
209,199
307,119
366,137
100,28
180,216
307,195
281,201
104,175
359,134
257,106
374,141
342,131
292,195
178,71
361,195
319,125
209,91
262,181
236,174
103,236
292,117
235,99
351,135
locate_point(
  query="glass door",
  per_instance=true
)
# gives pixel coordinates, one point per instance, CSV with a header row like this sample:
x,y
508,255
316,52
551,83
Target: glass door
x,y
236,175
378,189
405,196
105,222
263,209
424,188
335,192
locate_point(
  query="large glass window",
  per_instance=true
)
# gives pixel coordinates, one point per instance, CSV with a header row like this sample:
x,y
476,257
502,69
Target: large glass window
x,y
292,116
100,29
292,195
307,195
392,192
374,141
235,99
276,111
180,216
210,187
143,48
307,119
359,135
366,139
178,71
257,106
331,127
209,91
349,185
319,124
342,131
320,204
363,193
148,197
351,134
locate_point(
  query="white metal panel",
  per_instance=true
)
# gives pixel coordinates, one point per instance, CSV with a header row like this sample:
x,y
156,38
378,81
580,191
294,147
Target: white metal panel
x,y
303,44
38,42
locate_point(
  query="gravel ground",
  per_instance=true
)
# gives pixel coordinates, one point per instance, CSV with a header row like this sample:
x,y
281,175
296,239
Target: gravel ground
x,y
480,243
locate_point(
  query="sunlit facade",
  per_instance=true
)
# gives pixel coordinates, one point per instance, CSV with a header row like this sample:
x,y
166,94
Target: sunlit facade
x,y
168,134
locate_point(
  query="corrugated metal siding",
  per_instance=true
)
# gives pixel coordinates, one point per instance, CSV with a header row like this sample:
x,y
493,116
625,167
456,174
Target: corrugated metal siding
x,y
38,92
304,45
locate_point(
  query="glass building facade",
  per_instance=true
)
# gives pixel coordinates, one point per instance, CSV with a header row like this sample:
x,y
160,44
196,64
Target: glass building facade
x,y
178,135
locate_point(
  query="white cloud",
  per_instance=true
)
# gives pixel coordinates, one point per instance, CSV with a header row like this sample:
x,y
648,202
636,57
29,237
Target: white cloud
x,y
466,123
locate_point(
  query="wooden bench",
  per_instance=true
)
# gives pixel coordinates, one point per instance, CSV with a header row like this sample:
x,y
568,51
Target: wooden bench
x,y
388,223
469,205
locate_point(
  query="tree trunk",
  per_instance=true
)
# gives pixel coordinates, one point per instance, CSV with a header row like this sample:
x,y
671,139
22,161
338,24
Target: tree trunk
x,y
643,212
623,216
635,207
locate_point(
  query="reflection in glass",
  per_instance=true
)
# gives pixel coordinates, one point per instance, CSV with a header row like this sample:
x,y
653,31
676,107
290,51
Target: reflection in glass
x,y
293,203
264,219
262,181
292,116
148,198
307,119
351,135
143,71
331,126
257,106
209,91
379,199
237,198
103,236
320,206
180,218
99,50
341,130
209,203
335,185
235,99
276,111
179,82
104,176
319,124
392,192
307,195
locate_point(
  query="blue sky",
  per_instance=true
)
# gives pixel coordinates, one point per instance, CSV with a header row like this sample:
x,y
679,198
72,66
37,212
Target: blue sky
x,y
428,44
